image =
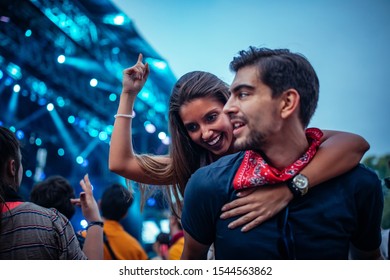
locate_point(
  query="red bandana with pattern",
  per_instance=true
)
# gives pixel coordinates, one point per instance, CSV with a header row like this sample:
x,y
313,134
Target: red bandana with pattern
x,y
255,171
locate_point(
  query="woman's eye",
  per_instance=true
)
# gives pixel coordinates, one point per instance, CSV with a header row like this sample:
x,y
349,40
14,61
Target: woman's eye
x,y
211,118
191,127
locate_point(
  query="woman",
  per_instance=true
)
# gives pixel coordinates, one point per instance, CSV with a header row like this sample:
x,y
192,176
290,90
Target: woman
x,y
201,133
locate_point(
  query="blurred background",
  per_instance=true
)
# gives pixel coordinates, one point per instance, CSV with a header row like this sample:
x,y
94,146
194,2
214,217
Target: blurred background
x,y
61,66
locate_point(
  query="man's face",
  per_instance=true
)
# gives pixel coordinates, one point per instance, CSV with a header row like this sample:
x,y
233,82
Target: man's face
x,y
253,112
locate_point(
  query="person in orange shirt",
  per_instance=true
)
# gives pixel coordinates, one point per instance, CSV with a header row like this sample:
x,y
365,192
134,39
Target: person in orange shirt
x,y
114,204
118,243
176,243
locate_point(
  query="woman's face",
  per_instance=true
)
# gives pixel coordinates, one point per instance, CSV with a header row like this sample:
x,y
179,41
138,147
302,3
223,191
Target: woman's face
x,y
207,125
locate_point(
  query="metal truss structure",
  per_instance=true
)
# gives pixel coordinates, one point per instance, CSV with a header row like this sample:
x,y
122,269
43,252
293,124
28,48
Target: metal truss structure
x,y
33,34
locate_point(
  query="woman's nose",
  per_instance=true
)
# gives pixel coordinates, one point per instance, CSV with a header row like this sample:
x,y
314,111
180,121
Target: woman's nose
x,y
206,134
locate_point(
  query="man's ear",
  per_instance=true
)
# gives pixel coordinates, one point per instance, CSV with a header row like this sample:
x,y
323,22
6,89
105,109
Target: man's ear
x,y
290,103
11,168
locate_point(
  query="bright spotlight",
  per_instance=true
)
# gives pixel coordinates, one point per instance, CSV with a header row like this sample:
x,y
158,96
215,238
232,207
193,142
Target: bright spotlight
x,y
61,59
50,107
16,88
103,136
157,63
14,71
149,127
162,135
93,82
83,223
119,19
166,140
79,160
116,19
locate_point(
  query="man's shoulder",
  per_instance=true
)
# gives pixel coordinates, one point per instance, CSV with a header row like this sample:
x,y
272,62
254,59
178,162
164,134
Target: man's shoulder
x,y
215,179
30,215
225,162
362,172
218,171
359,178
32,208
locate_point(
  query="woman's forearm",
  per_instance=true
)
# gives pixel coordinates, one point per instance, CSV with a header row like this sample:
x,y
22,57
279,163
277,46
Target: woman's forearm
x,y
121,148
338,153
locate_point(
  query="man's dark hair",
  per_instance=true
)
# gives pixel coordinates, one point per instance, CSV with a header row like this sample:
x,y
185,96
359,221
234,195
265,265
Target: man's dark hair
x,y
115,202
9,149
54,192
163,238
281,70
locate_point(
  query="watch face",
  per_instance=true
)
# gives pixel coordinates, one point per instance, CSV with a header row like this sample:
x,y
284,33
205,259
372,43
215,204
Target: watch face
x,y
300,181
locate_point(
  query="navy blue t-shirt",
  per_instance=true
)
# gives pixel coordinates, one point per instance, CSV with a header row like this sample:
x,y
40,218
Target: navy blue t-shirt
x,y
319,225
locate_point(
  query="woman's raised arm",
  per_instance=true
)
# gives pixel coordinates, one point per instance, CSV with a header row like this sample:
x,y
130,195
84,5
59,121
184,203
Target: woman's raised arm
x,y
122,159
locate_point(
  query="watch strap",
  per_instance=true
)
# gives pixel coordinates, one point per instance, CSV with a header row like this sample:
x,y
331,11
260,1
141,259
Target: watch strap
x,y
293,189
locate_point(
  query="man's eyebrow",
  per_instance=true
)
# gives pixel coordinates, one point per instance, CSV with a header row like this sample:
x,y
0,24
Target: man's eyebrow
x,y
241,86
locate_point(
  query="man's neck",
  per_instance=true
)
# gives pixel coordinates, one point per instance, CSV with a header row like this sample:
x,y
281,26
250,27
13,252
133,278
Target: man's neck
x,y
285,148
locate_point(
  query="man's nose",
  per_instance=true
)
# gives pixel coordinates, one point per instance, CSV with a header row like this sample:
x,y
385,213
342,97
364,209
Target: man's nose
x,y
229,107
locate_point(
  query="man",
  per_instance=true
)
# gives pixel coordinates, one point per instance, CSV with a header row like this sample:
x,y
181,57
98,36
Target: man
x,y
56,192
176,243
39,233
274,95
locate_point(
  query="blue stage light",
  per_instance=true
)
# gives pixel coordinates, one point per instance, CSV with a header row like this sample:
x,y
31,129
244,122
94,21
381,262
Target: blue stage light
x,y
113,97
61,152
28,33
19,134
28,173
38,141
71,119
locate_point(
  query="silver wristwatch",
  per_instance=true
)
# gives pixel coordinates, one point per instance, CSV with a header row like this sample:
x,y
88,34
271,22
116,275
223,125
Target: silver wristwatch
x,y
298,185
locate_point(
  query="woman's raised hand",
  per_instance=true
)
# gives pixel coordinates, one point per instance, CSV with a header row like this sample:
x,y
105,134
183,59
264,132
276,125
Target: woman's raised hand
x,y
135,77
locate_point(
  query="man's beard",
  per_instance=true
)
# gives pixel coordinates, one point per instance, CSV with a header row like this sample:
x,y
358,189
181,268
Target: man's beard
x,y
254,141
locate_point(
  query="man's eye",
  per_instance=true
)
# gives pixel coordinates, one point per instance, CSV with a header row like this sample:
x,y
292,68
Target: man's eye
x,y
242,94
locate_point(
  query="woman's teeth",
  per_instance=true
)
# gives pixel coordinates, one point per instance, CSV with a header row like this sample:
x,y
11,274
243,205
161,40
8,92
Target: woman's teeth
x,y
213,142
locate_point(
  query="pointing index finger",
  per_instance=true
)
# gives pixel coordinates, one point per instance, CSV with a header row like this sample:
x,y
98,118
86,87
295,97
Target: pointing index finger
x,y
140,57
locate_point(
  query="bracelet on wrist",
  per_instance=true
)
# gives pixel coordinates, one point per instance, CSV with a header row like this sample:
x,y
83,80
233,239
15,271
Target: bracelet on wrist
x,y
124,116
95,223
